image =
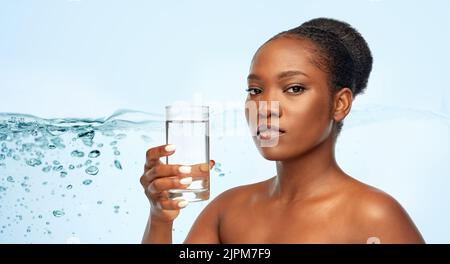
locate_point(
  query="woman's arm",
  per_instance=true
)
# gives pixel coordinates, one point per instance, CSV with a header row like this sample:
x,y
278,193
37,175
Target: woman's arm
x,y
205,229
157,232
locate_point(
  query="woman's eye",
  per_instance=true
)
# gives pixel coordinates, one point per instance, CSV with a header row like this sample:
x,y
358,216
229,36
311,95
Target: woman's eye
x,y
253,91
296,89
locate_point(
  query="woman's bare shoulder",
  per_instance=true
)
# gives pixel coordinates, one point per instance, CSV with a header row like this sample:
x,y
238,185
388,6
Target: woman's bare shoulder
x,y
245,192
377,212
370,201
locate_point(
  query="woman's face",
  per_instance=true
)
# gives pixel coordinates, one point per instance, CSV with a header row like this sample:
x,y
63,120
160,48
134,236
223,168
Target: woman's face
x,y
282,71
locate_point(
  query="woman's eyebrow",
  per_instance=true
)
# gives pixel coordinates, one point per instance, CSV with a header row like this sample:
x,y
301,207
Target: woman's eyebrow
x,y
286,74
281,75
252,77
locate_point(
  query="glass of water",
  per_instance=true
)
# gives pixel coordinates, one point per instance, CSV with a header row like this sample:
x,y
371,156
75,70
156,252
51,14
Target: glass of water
x,y
187,127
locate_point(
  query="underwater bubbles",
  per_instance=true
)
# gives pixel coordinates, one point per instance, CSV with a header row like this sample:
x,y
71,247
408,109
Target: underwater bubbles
x,y
117,164
58,213
87,182
34,162
92,170
77,153
58,156
94,154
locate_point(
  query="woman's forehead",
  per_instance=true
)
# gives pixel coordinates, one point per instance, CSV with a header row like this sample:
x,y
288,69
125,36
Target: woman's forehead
x,y
284,53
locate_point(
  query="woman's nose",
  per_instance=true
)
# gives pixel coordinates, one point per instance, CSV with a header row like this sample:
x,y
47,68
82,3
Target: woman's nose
x,y
268,109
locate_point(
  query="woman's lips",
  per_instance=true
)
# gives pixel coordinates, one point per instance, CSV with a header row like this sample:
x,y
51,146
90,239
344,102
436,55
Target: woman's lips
x,y
266,133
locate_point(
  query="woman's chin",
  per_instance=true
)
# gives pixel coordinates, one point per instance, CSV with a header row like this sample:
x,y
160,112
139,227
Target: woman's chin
x,y
272,152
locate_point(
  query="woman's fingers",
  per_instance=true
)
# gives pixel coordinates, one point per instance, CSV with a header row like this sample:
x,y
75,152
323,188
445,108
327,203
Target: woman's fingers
x,y
207,167
172,204
197,171
164,170
167,183
201,171
154,154
159,178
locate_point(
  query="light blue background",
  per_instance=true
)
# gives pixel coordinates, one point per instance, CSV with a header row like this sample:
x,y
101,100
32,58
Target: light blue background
x,y
88,58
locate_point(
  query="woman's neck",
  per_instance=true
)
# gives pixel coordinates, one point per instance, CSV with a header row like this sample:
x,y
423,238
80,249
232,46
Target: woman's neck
x,y
313,173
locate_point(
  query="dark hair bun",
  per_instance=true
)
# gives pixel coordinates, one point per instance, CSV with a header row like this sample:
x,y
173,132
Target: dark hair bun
x,y
355,45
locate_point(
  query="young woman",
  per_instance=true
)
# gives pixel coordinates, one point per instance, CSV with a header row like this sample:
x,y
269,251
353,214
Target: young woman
x,y
313,72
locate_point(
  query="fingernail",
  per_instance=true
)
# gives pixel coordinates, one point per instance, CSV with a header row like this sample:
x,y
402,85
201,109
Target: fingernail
x,y
184,169
170,147
204,167
187,180
183,204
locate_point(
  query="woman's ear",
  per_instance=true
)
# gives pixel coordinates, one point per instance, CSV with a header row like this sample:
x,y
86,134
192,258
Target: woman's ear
x,y
342,103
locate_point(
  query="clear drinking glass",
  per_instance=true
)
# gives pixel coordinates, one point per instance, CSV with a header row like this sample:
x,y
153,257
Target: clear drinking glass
x,y
187,127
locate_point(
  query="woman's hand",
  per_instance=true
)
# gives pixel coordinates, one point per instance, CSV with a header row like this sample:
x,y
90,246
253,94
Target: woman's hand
x,y
158,178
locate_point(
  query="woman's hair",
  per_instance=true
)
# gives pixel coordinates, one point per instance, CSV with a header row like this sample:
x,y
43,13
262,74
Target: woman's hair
x,y
340,51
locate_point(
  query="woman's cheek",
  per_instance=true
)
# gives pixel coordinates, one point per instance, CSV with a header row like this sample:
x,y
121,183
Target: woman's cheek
x,y
322,121
311,121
